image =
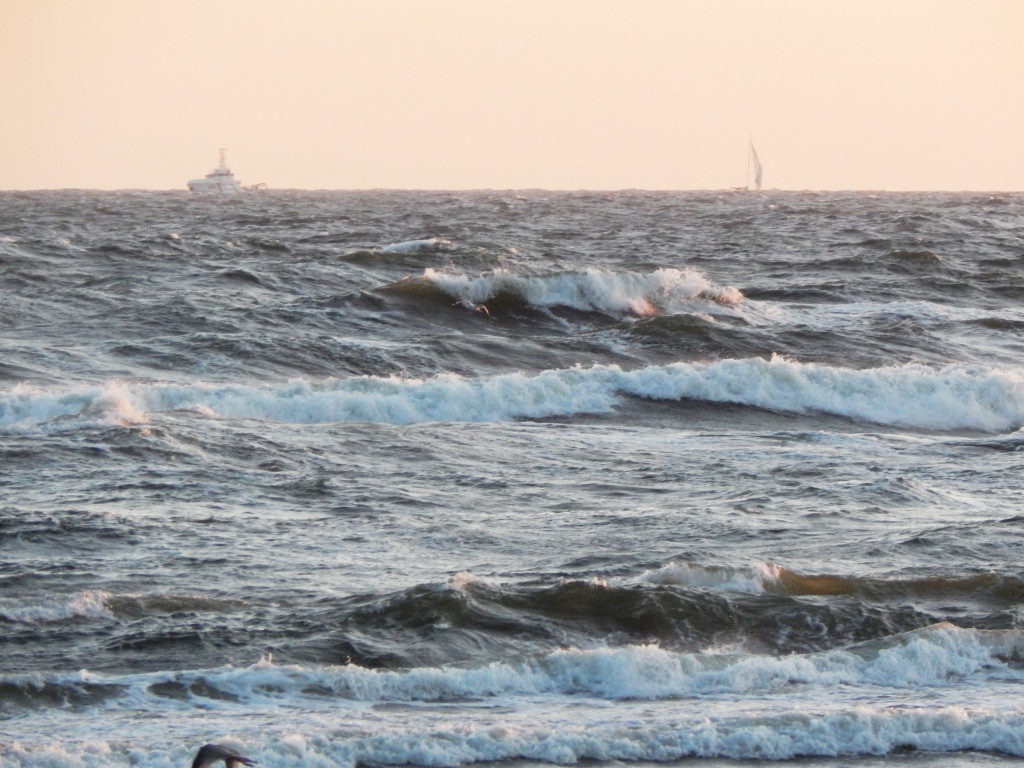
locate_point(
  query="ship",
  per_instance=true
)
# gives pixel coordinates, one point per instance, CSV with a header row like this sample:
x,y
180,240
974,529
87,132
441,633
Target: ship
x,y
221,181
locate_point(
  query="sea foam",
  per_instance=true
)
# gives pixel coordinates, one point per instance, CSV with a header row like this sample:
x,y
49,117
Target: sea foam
x,y
56,609
947,398
941,656
650,738
592,290
425,245
696,712
751,580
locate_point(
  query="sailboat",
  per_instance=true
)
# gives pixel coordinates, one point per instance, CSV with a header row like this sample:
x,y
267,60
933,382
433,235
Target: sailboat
x,y
753,164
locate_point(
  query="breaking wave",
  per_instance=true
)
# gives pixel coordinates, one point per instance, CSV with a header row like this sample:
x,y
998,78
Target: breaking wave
x,y
940,655
592,290
916,396
936,658
549,740
55,609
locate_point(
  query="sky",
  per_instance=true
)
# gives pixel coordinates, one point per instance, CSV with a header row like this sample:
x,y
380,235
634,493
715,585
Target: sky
x,y
513,94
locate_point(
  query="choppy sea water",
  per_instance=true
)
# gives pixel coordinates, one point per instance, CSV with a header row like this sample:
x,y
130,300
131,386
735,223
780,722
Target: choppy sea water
x,y
399,478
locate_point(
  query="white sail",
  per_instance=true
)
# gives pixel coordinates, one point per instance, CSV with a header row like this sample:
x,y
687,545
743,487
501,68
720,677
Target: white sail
x,y
753,164
757,166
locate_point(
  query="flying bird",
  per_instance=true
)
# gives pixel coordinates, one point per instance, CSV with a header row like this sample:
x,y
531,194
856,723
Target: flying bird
x,y
211,753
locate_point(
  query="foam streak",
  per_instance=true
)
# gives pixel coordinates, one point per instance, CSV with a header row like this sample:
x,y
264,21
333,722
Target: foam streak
x,y
954,397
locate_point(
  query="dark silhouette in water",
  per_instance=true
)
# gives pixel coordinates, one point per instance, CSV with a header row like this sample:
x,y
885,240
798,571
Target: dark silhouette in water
x,y
211,753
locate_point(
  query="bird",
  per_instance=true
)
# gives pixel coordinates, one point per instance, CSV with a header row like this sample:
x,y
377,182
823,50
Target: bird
x,y
211,753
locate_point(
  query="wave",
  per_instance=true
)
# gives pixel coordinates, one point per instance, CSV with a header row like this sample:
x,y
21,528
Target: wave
x,y
426,245
92,605
770,578
914,396
679,609
106,613
940,656
646,738
757,578
98,605
591,290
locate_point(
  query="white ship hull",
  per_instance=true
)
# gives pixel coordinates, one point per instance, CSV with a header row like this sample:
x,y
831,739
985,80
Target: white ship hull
x,y
216,183
220,181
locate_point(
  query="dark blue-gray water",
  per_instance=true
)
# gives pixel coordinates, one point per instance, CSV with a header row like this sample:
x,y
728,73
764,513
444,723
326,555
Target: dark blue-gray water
x,y
389,478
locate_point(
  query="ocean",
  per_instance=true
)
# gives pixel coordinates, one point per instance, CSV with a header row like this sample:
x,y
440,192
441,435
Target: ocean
x,y
340,479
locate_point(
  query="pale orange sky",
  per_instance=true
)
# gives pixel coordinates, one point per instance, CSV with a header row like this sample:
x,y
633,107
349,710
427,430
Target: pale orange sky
x,y
469,94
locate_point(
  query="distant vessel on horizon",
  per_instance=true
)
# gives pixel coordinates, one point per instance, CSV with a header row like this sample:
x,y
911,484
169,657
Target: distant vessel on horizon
x,y
753,164
221,180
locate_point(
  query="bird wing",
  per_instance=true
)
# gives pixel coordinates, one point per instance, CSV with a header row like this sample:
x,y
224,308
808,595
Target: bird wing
x,y
211,753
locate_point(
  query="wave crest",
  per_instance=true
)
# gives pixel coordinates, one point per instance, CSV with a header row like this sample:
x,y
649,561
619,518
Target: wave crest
x,y
937,656
91,605
916,396
592,290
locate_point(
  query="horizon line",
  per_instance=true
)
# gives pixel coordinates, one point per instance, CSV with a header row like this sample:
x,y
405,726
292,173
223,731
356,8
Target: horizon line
x,y
605,190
